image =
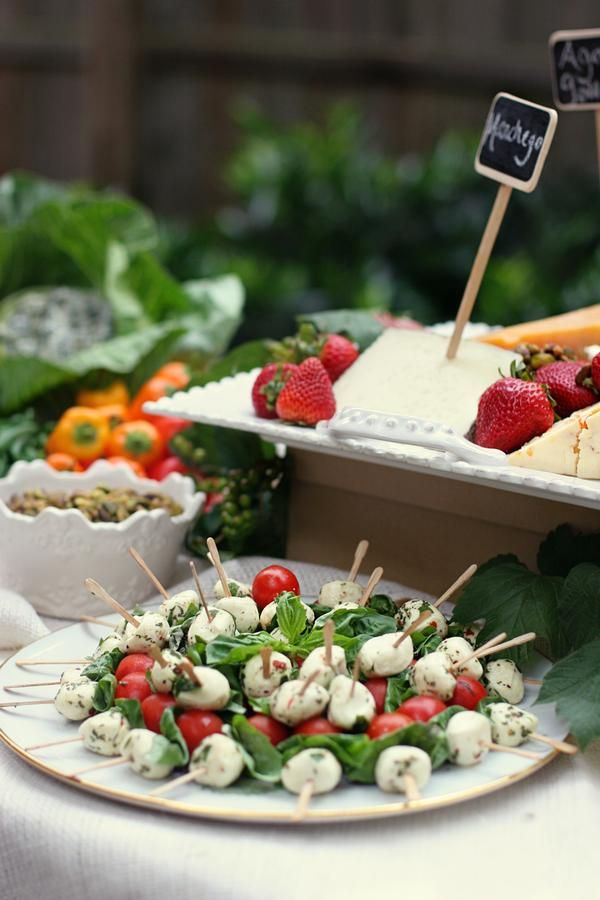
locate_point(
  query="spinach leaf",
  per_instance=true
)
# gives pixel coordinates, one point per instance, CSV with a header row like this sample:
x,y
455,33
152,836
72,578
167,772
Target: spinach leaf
x,y
169,728
291,616
263,760
104,695
574,685
132,710
511,598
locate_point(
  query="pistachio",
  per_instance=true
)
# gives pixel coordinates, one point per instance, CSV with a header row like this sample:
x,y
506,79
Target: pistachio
x,y
102,504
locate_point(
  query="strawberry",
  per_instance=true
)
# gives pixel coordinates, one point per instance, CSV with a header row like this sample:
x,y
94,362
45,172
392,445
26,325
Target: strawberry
x,y
595,371
560,379
512,412
308,396
268,385
337,355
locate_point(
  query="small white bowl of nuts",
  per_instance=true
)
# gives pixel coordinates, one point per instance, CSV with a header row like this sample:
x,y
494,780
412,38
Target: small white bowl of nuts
x,y
59,528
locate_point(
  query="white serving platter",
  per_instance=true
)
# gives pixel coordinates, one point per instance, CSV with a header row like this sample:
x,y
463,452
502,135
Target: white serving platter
x,y
28,725
227,403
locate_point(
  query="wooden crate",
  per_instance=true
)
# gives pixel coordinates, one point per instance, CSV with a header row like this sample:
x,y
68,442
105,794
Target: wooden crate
x,y
424,529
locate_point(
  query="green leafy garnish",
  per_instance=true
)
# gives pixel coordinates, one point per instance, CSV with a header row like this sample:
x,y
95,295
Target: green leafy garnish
x,y
262,759
105,664
165,752
574,685
291,616
168,728
132,710
104,695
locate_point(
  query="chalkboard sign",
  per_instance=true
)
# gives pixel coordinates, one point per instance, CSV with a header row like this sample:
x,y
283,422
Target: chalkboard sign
x,y
575,57
515,141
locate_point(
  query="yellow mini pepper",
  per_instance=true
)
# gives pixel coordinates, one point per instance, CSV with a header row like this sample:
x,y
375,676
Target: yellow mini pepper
x,y
115,393
80,431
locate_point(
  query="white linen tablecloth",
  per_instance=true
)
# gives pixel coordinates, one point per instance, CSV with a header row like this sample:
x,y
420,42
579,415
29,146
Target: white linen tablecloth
x,y
536,839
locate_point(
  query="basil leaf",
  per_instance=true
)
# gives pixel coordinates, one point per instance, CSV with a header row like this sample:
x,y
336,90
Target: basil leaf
x,y
164,752
352,622
426,641
105,664
260,705
383,604
314,639
291,616
398,690
196,653
168,728
263,760
233,651
441,719
132,710
104,694
573,684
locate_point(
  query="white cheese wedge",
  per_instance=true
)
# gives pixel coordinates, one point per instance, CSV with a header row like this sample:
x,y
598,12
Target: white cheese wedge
x,y
570,447
407,373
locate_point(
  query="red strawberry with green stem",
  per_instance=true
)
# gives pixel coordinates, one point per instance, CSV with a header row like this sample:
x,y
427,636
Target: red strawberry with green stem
x,y
337,355
307,397
269,383
511,412
561,380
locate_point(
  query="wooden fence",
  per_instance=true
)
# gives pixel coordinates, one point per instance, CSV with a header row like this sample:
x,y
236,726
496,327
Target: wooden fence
x,y
137,93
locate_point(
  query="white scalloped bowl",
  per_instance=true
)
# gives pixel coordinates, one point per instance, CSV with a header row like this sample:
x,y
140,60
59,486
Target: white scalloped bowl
x,y
46,558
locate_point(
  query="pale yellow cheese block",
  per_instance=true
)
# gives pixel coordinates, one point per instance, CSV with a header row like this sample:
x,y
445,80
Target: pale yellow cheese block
x,y
570,447
407,373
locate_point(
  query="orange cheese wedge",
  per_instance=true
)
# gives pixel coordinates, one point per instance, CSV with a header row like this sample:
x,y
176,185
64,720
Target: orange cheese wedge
x,y
577,329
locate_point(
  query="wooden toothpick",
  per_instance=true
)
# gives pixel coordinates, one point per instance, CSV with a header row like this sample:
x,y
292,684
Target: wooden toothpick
x,y
148,571
411,789
304,799
561,746
199,591
96,621
355,673
479,266
52,662
12,687
96,590
456,585
372,583
53,743
478,651
309,681
119,761
328,632
25,703
359,554
157,655
514,642
183,779
216,561
516,751
186,666
414,627
265,655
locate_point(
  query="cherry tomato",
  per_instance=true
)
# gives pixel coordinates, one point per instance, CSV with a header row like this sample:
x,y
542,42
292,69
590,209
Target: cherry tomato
x,y
153,707
378,688
168,426
386,723
196,724
161,469
316,726
135,662
271,582
468,692
132,463
271,728
422,708
176,372
133,687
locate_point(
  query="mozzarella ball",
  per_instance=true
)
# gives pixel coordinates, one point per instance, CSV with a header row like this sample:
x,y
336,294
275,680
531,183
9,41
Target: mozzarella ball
x,y
379,656
315,664
457,649
112,641
217,761
270,611
410,611
316,765
254,682
431,675
469,735
350,703
471,632
213,692
335,592
105,732
244,611
179,606
221,623
503,678
511,725
237,589
162,677
75,699
296,701
137,746
396,762
73,674
153,631
348,604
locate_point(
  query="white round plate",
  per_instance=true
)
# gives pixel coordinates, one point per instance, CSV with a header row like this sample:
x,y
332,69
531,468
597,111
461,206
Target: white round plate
x,y
23,726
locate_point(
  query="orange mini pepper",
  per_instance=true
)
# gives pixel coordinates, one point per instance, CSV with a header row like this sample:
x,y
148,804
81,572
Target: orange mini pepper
x,y
176,372
64,462
81,432
115,393
138,440
132,463
154,389
115,414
